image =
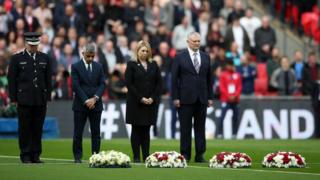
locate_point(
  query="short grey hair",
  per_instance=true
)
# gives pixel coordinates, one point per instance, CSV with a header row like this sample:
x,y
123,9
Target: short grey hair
x,y
89,48
193,33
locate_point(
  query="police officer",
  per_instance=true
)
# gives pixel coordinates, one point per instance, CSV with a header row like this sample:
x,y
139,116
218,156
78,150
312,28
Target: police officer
x,y
29,78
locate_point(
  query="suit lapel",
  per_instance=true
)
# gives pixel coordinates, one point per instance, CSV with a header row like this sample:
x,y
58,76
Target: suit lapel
x,y
189,61
203,62
85,72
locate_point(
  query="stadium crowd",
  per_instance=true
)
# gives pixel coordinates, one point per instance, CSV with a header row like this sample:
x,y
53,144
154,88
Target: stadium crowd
x,y
229,32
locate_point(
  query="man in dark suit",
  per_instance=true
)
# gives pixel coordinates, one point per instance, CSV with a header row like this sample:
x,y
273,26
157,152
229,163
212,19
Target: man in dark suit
x,y
192,93
88,85
29,78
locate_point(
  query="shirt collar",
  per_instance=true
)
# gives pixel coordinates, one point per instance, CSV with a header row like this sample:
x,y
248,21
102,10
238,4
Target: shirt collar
x,y
191,52
85,63
30,53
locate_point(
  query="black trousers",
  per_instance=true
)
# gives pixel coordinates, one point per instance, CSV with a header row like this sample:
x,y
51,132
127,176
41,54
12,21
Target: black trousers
x,y
30,125
186,112
225,107
140,138
80,119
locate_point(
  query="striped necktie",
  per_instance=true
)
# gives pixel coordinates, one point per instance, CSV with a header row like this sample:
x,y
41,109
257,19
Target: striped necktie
x,y
196,62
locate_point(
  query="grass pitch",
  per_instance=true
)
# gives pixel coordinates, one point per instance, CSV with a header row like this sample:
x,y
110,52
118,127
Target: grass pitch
x,y
57,155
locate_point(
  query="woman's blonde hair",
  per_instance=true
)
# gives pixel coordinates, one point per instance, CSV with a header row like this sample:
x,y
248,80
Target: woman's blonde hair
x,y
139,46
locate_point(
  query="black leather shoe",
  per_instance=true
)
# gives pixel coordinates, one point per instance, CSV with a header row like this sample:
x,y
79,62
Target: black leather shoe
x,y
37,161
200,160
26,161
77,161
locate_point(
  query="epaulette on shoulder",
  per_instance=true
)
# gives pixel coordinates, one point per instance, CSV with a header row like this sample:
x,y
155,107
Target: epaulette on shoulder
x,y
18,52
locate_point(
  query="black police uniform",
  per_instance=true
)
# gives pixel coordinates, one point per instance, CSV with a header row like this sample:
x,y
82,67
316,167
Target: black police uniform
x,y
29,78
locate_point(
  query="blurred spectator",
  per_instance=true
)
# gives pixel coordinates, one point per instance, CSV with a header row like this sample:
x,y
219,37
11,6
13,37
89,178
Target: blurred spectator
x,y
202,26
132,14
138,32
68,58
180,34
233,54
45,43
47,28
216,6
168,8
11,38
124,48
117,30
227,9
90,15
250,23
237,11
297,66
161,35
223,26
18,10
283,78
248,73
185,9
272,64
72,39
42,12
310,74
55,54
230,89
5,19
236,33
112,55
161,66
216,82
62,88
100,57
61,32
117,87
20,44
265,40
220,60
31,22
154,16
115,11
71,19
20,27
214,36
82,41
311,86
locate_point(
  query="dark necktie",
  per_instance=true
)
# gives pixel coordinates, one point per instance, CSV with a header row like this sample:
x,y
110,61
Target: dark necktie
x,y
33,56
89,70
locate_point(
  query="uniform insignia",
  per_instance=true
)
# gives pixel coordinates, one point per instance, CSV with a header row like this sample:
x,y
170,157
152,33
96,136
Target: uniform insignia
x,y
43,63
22,63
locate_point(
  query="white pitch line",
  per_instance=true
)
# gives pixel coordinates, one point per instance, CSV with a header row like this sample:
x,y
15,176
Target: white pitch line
x,y
198,167
259,170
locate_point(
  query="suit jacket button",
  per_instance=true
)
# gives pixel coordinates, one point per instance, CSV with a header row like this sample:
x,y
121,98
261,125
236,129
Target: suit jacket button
x,y
35,71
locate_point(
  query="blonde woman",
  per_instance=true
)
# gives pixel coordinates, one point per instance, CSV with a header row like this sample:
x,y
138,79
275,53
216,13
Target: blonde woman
x,y
143,81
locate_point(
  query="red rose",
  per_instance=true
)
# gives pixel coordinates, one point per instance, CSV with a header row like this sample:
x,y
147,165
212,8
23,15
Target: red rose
x,y
220,157
247,159
286,159
181,157
237,156
300,162
270,158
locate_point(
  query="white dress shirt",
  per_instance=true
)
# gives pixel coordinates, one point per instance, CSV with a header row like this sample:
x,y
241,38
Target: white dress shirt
x,y
191,53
